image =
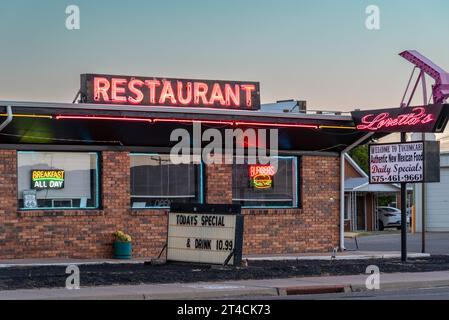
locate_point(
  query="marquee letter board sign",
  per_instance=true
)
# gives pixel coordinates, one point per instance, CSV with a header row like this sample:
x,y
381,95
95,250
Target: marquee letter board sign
x,y
412,162
205,233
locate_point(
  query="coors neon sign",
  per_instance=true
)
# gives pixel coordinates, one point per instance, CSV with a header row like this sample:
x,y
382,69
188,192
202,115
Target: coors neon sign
x,y
145,91
413,119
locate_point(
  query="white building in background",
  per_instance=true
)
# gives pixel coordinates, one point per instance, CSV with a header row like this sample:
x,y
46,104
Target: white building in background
x,y
436,202
436,194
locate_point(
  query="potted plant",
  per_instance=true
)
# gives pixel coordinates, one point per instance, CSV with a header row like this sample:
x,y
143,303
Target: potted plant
x,y
122,245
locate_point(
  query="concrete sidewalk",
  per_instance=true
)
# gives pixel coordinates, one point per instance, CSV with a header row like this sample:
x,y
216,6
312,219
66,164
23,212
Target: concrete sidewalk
x,y
274,287
347,255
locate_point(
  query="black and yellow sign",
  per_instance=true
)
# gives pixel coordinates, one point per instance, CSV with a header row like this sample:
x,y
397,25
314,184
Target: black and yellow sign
x,y
47,179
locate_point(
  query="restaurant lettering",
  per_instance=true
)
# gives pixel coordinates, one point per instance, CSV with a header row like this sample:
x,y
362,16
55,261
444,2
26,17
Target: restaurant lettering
x,y
385,120
108,89
47,179
414,119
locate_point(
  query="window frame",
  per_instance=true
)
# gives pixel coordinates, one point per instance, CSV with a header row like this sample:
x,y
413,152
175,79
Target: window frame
x,y
201,181
297,199
98,204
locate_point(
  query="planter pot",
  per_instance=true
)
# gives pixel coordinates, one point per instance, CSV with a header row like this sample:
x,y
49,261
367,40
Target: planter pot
x,y
122,250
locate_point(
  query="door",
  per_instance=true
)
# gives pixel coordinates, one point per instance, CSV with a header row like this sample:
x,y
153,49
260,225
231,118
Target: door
x,y
361,213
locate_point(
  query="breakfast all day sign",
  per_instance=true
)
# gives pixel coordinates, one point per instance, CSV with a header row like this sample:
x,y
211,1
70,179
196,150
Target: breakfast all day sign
x,y
47,179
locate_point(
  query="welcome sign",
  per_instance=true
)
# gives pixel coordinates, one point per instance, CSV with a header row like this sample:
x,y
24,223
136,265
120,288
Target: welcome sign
x,y
47,179
413,162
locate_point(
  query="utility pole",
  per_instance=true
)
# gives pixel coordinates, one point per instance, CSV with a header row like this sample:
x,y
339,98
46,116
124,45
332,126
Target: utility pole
x,y
424,186
403,212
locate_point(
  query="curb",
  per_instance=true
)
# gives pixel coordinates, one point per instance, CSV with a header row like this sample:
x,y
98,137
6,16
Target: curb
x,y
341,257
292,291
217,294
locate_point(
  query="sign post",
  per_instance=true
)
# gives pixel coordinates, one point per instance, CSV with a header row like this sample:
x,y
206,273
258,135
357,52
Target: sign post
x,y
403,212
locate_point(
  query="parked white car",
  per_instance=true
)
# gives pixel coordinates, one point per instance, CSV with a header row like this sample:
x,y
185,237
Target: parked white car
x,y
390,217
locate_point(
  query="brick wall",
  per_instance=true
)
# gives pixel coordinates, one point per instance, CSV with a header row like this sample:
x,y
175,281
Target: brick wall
x,y
87,234
313,228
219,184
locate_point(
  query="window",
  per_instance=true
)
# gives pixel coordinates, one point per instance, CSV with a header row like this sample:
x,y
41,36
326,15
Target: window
x,y
57,180
347,207
260,186
156,182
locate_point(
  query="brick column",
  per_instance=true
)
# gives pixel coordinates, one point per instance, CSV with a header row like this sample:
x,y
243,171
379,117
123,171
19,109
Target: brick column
x,y
116,186
219,184
8,183
320,202
8,203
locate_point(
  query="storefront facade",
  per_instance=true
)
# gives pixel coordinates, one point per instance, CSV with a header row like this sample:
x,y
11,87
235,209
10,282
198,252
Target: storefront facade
x,y
86,233
72,174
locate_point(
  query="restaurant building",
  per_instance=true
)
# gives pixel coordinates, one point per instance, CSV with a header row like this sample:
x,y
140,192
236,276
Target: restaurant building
x,y
72,174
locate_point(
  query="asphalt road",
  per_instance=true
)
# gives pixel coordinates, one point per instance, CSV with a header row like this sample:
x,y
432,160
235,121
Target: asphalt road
x,y
437,243
441,293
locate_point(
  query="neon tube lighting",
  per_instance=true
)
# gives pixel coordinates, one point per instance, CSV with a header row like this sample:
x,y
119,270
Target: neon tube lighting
x,y
27,116
217,122
103,118
338,127
282,125
194,121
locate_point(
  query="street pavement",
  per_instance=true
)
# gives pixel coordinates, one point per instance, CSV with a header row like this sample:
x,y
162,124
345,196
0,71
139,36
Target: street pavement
x,y
275,288
437,243
435,293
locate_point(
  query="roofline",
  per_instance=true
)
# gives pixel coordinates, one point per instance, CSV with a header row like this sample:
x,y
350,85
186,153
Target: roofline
x,y
358,187
187,110
355,166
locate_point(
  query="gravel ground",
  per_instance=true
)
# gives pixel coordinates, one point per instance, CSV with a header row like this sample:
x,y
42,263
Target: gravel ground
x,y
132,274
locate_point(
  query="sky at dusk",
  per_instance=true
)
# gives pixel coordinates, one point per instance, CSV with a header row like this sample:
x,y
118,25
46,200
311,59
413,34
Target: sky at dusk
x,y
315,50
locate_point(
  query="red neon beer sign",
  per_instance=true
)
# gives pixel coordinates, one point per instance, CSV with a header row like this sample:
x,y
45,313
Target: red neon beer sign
x,y
108,89
415,119
261,177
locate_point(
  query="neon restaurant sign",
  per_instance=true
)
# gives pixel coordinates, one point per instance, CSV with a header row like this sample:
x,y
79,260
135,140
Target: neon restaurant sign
x,y
47,179
145,91
414,119
261,177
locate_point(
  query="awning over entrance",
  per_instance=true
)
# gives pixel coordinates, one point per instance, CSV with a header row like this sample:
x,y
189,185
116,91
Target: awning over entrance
x,y
139,126
362,185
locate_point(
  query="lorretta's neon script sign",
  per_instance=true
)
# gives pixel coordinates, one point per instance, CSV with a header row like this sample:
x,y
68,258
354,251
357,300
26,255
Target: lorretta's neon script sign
x,y
145,91
415,119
